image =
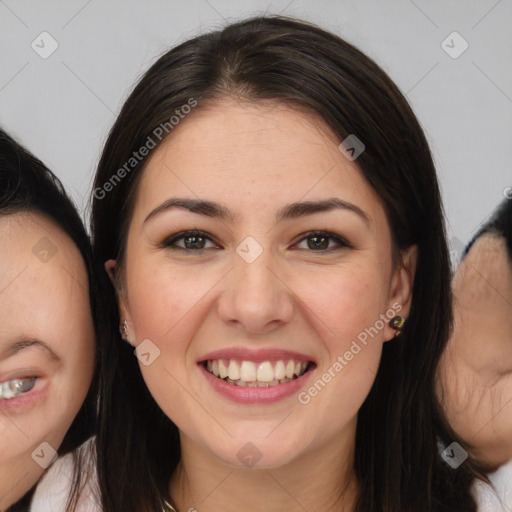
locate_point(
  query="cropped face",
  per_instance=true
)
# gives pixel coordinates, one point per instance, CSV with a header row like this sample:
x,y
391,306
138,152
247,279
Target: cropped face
x,y
258,284
46,347
474,383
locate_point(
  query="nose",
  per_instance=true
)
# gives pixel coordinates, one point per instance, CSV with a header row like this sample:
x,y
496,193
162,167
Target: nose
x,y
256,298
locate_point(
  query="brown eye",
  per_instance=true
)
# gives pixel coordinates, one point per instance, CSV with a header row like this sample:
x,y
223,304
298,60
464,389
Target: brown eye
x,y
189,241
322,241
318,242
194,242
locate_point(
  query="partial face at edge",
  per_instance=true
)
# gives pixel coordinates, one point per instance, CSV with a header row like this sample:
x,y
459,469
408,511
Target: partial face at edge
x,y
47,346
307,293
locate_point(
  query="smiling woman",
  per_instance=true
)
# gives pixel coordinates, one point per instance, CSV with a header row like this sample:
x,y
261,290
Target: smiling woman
x,y
253,259
47,335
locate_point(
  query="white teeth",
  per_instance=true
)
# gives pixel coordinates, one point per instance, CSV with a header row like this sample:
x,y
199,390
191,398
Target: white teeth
x,y
248,371
257,384
250,374
223,371
234,370
279,370
290,368
265,372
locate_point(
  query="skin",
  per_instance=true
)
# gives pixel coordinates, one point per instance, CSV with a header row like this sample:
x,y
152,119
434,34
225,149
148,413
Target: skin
x,y
254,158
475,373
47,302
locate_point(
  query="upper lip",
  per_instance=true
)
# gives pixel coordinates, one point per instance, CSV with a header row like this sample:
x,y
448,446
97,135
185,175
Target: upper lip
x,y
258,355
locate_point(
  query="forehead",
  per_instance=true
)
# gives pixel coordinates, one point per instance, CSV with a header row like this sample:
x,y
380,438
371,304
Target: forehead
x,y
252,153
40,267
19,230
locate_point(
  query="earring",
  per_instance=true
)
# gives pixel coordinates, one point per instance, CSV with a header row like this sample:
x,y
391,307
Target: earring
x,y
124,331
397,323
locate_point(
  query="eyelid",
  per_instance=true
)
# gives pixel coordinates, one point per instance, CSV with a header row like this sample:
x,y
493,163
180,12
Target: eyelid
x,y
22,373
341,241
169,242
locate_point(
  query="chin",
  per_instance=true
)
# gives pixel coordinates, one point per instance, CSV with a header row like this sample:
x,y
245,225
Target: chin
x,y
255,452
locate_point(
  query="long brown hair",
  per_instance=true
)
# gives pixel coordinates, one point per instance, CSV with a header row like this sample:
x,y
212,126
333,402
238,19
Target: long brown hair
x,y
397,459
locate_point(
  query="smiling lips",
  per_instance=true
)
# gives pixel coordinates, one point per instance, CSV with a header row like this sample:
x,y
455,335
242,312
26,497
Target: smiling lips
x,y
256,374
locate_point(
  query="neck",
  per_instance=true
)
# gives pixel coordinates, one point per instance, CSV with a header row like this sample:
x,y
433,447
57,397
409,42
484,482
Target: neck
x,y
321,480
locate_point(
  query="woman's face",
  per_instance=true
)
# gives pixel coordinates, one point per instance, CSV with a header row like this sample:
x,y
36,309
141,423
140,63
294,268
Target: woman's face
x,y
47,347
254,288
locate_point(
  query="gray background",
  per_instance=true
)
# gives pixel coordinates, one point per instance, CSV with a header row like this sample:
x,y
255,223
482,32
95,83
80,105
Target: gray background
x,y
62,107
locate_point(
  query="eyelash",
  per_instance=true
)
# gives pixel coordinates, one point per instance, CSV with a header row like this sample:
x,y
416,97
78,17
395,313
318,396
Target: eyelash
x,y
6,387
170,242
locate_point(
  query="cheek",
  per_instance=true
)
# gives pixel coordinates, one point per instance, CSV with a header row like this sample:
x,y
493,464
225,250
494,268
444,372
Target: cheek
x,y
70,383
345,311
15,440
47,415
21,436
165,307
343,303
160,299
23,432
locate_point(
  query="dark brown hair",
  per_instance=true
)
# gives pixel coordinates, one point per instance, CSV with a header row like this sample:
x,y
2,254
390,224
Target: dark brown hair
x,y
499,224
397,458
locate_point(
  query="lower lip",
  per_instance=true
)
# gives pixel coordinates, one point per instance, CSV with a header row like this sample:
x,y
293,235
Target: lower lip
x,y
246,395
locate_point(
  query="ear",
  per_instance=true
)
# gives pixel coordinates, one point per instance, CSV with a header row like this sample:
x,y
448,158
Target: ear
x,y
111,267
402,283
113,273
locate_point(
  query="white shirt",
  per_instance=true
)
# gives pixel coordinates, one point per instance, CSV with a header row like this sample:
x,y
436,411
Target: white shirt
x,y
52,492
498,499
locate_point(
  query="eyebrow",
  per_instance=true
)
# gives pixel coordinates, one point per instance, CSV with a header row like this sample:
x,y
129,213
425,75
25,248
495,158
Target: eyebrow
x,y
289,211
18,346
